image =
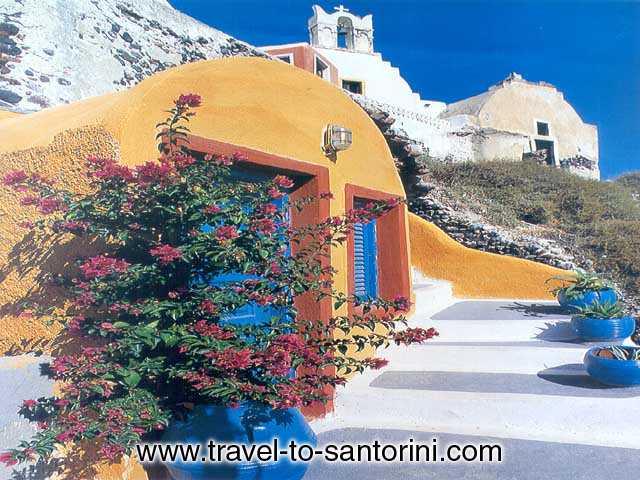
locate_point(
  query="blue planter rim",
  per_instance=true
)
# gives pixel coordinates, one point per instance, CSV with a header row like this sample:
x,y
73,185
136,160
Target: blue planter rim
x,y
583,292
593,350
624,317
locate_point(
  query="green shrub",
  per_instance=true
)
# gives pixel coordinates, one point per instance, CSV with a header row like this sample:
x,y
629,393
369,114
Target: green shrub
x,y
600,219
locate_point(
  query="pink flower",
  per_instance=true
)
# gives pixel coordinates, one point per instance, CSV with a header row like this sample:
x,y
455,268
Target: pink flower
x,y
283,181
14,177
288,397
392,202
209,307
29,403
166,253
8,459
289,342
264,225
61,402
219,159
65,436
414,335
29,200
108,169
108,327
101,266
189,100
376,363
274,193
240,157
50,205
212,209
212,330
182,160
275,268
232,359
402,304
72,226
112,452
267,209
152,172
226,232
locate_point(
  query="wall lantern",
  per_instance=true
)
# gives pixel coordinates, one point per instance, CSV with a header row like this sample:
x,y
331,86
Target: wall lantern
x,y
336,139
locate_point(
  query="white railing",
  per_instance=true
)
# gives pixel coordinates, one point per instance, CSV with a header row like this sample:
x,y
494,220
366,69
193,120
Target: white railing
x,y
401,112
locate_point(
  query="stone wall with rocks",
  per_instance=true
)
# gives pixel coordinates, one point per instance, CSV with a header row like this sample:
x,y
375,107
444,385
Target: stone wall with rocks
x,y
486,237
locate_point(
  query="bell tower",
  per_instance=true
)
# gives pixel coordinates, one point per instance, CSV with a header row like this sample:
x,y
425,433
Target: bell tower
x,y
341,29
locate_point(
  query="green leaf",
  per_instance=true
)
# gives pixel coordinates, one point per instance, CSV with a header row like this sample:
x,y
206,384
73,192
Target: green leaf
x,y
132,379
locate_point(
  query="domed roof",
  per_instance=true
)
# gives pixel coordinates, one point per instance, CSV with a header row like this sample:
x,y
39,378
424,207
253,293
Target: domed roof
x,y
251,102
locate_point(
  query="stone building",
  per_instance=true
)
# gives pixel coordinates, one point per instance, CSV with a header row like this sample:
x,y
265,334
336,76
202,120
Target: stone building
x,y
518,119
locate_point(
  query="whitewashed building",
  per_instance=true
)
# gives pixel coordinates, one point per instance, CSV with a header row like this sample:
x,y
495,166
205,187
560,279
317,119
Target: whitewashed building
x,y
514,120
343,42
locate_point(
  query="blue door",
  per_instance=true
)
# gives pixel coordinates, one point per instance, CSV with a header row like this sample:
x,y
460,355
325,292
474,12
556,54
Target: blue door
x,y
365,258
251,313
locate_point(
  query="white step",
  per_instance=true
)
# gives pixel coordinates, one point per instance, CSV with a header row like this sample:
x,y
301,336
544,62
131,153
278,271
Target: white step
x,y
431,296
497,359
498,330
586,420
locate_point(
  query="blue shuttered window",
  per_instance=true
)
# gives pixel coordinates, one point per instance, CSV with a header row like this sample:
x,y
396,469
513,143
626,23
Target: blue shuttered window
x,y
365,259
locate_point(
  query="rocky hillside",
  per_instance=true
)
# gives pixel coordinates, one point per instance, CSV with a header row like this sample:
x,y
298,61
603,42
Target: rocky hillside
x,y
58,51
524,209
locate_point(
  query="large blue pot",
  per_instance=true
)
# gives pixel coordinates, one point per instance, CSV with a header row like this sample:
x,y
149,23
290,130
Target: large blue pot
x,y
249,424
591,329
588,298
619,373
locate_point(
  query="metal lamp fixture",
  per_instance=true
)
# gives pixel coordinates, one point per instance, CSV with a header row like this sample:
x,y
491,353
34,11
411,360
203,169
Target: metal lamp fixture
x,y
336,139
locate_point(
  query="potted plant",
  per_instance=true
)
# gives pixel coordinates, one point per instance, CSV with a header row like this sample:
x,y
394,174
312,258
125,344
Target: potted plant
x,y
181,246
614,365
602,322
583,289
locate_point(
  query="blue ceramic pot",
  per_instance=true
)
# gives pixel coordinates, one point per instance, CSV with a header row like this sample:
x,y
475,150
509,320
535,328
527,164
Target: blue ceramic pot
x,y
249,424
592,329
588,298
620,373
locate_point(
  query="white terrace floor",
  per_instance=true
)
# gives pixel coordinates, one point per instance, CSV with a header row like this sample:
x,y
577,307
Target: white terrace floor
x,y
507,372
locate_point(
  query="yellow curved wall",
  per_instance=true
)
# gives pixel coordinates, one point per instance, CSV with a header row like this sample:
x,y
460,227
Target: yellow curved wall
x,y
472,273
7,114
256,103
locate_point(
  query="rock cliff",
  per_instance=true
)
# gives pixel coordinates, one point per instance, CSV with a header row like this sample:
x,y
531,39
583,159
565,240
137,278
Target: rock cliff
x,y
59,51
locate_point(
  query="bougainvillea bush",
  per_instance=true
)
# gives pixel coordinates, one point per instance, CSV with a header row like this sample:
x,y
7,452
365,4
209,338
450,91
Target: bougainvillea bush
x,y
155,328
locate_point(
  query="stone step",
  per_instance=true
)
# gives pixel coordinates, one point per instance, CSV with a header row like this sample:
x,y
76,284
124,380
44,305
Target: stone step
x,y
431,296
499,321
576,413
435,356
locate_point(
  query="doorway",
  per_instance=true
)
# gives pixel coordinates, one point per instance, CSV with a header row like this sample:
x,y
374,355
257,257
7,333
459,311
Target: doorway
x,y
548,146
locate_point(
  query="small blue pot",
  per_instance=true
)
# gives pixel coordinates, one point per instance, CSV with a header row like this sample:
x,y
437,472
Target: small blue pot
x,y
249,424
619,373
588,298
591,329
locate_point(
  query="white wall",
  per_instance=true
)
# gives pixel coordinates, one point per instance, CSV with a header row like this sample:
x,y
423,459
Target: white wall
x,y
382,81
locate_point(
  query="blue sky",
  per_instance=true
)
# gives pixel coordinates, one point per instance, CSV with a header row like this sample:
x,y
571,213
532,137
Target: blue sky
x,y
448,50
